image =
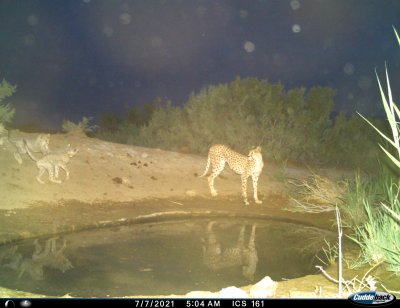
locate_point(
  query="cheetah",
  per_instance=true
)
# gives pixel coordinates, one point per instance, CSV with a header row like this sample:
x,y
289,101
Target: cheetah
x,y
251,165
40,144
52,163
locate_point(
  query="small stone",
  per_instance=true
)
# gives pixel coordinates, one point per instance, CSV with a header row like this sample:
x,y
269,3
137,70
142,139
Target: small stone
x,y
126,181
233,292
190,193
266,287
117,180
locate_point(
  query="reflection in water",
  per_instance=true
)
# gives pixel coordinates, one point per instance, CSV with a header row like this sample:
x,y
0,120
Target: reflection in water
x,y
10,258
216,258
49,256
142,259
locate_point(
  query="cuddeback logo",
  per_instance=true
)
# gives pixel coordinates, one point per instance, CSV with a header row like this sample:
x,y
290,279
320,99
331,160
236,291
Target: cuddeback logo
x,y
372,298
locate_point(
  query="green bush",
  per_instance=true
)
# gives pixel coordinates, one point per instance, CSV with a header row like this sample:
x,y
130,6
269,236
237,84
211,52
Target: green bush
x,y
125,129
290,125
6,111
379,236
294,124
351,142
164,129
365,190
80,127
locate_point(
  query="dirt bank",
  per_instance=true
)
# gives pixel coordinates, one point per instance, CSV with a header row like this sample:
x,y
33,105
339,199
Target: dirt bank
x,y
113,183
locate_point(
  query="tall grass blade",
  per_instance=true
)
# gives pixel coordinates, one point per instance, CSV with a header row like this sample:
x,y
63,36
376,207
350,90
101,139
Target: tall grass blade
x,y
397,36
393,159
377,129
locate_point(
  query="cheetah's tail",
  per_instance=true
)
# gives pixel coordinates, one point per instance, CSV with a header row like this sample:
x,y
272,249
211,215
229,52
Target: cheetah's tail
x,y
208,166
9,137
29,152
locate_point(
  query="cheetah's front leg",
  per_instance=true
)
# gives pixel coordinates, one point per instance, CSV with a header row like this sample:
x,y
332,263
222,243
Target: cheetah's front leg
x,y
255,182
244,189
240,242
211,179
65,170
39,176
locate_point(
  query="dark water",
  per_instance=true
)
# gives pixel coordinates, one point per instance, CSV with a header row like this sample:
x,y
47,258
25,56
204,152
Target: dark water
x,y
162,258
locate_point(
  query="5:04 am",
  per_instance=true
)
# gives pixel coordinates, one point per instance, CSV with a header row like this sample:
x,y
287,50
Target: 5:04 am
x,y
202,303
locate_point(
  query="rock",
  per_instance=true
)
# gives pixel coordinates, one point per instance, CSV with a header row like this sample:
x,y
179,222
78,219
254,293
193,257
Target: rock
x,y
145,155
266,287
233,292
191,193
126,181
117,180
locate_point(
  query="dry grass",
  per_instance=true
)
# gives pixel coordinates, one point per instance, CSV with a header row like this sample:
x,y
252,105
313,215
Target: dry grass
x,y
366,283
317,194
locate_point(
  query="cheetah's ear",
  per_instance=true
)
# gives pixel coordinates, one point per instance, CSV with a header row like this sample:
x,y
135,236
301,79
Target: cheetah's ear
x,y
256,148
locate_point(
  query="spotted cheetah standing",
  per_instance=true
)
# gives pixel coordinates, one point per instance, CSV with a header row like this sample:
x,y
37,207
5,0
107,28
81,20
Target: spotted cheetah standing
x,y
246,166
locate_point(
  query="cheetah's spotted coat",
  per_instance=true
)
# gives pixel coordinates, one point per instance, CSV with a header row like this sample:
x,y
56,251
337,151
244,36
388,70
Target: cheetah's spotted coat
x,y
246,166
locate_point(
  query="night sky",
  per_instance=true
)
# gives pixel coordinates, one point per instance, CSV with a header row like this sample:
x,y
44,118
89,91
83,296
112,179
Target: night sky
x,y
78,58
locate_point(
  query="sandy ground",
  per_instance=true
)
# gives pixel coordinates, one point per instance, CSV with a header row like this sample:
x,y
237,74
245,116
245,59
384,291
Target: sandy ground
x,y
110,181
113,183
108,172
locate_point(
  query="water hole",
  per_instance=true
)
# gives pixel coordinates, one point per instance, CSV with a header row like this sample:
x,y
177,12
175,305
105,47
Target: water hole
x,y
170,257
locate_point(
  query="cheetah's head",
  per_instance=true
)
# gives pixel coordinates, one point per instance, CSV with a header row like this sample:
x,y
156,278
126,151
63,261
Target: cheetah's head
x,y
44,140
71,152
255,153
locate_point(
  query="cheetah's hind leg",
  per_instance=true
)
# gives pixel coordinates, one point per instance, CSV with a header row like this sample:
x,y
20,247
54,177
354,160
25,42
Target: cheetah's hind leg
x,y
216,170
52,178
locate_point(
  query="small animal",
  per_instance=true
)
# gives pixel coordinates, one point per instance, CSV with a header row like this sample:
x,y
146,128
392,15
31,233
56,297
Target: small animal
x,y
40,144
52,163
250,165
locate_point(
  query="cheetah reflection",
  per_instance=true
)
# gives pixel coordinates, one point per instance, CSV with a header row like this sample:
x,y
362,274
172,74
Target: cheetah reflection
x,y
216,258
49,256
